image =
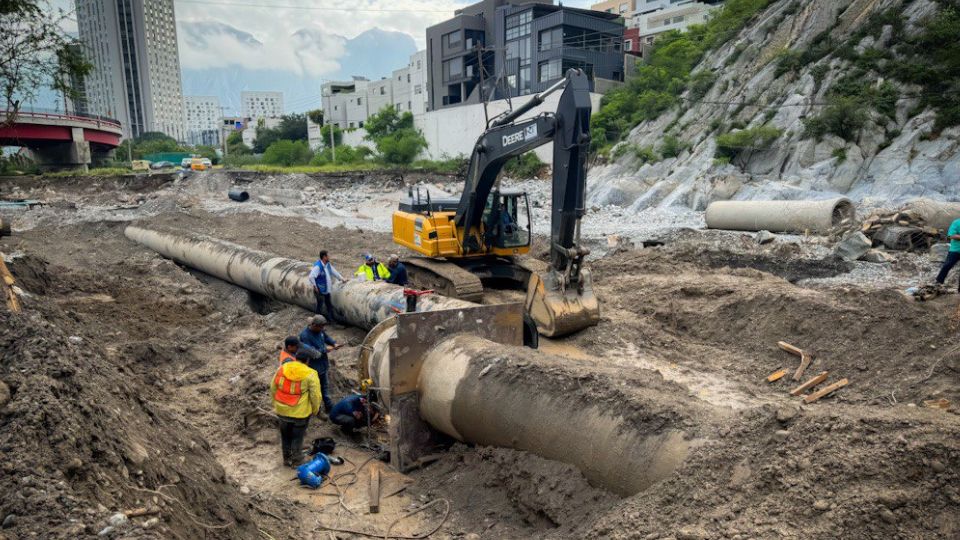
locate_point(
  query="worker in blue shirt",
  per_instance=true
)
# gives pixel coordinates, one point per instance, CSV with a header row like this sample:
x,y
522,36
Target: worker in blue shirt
x,y
315,340
321,277
953,256
398,271
350,413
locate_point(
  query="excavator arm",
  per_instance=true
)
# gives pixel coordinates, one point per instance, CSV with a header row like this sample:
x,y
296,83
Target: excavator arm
x,y
560,297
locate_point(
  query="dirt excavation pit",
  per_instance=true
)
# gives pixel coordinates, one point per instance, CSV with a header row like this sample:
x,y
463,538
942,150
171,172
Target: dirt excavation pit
x,y
135,387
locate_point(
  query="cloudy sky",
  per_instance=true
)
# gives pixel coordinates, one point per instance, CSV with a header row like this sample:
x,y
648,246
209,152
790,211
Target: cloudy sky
x,y
273,22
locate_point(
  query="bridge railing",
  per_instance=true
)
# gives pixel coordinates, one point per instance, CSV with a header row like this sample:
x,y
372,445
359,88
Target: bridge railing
x,y
41,112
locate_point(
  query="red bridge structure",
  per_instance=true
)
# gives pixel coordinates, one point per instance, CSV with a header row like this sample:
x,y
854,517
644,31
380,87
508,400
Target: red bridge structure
x,y
59,140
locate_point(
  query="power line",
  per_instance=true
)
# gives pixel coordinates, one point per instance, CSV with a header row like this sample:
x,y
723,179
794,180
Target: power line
x,y
312,8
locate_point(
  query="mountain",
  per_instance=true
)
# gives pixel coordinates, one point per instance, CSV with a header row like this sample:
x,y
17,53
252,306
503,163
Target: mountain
x,y
804,100
302,61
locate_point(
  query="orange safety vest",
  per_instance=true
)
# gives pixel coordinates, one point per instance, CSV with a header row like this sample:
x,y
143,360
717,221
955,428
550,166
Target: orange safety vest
x,y
286,357
288,392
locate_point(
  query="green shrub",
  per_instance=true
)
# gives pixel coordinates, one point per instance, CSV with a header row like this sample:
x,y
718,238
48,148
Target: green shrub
x,y
240,160
843,116
457,165
672,147
397,141
742,142
345,155
819,72
645,154
840,154
700,84
524,166
287,153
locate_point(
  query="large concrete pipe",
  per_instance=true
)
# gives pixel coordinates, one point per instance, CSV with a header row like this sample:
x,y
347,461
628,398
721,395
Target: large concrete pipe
x,y
358,303
781,216
937,214
462,373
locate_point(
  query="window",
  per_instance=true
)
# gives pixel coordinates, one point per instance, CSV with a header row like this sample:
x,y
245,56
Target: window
x,y
451,40
383,90
677,20
418,64
525,79
360,124
359,102
409,105
417,89
550,39
453,69
548,71
351,125
408,77
628,44
518,25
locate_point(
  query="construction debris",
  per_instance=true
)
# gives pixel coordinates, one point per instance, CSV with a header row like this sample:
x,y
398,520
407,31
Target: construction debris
x,y
810,384
825,391
805,358
903,230
937,404
776,375
853,246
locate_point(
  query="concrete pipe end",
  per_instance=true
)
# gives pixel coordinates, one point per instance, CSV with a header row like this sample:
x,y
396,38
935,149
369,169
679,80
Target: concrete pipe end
x,y
843,210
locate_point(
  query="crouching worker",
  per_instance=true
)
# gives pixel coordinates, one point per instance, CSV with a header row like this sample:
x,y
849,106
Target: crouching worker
x,y
295,390
350,413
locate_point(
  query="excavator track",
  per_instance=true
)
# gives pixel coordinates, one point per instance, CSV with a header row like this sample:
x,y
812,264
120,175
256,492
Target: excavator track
x,y
444,277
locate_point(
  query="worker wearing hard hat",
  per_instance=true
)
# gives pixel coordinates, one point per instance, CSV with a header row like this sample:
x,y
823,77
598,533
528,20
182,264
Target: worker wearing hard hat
x,y
295,390
371,270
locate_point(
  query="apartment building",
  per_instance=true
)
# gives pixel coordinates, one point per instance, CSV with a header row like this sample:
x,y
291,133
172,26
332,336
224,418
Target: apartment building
x,y
498,48
348,104
202,120
619,7
261,104
132,45
654,17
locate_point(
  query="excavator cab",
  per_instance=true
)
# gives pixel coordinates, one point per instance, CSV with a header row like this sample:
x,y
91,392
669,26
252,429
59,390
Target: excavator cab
x,y
507,220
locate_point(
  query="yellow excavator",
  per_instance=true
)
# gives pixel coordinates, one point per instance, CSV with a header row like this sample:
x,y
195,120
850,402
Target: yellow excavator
x,y
482,236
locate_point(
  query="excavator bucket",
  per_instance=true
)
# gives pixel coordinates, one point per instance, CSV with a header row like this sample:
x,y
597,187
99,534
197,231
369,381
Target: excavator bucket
x,y
559,311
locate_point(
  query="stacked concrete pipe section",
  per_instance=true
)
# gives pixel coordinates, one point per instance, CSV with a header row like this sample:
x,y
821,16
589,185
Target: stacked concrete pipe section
x,y
470,386
781,216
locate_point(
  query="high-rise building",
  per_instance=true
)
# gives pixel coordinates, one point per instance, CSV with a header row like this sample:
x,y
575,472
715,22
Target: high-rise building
x,y
202,118
499,48
132,45
262,104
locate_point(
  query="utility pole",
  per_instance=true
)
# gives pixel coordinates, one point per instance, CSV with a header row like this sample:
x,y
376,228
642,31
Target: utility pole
x,y
333,142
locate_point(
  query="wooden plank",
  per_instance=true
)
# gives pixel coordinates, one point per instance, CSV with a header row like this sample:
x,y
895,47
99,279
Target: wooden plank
x,y
790,348
810,384
825,391
11,297
776,375
805,360
375,490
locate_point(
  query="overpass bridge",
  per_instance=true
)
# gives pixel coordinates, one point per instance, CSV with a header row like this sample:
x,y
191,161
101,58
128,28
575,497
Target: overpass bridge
x,y
61,140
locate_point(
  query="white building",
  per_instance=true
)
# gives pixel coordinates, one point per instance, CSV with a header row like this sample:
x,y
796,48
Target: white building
x,y
657,16
250,131
262,104
349,103
203,120
132,45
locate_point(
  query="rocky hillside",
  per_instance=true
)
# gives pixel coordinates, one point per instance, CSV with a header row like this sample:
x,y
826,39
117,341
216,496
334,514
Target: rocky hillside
x,y
802,99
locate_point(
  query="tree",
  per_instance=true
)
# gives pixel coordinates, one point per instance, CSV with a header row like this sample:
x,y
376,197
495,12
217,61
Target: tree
x,y
316,116
235,146
35,52
843,116
337,135
287,153
265,137
293,127
397,141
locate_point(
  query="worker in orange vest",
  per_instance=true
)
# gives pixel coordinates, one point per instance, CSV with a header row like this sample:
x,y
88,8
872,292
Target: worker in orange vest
x,y
290,347
295,390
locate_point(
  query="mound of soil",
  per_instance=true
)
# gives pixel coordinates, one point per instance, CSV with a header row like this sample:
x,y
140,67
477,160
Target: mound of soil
x,y
786,473
84,439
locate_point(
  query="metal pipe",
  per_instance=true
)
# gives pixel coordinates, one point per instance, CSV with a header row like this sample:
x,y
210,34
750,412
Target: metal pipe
x,y
359,303
780,216
238,194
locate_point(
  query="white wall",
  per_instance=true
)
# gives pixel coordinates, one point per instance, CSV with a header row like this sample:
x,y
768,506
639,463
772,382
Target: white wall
x,y
453,131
